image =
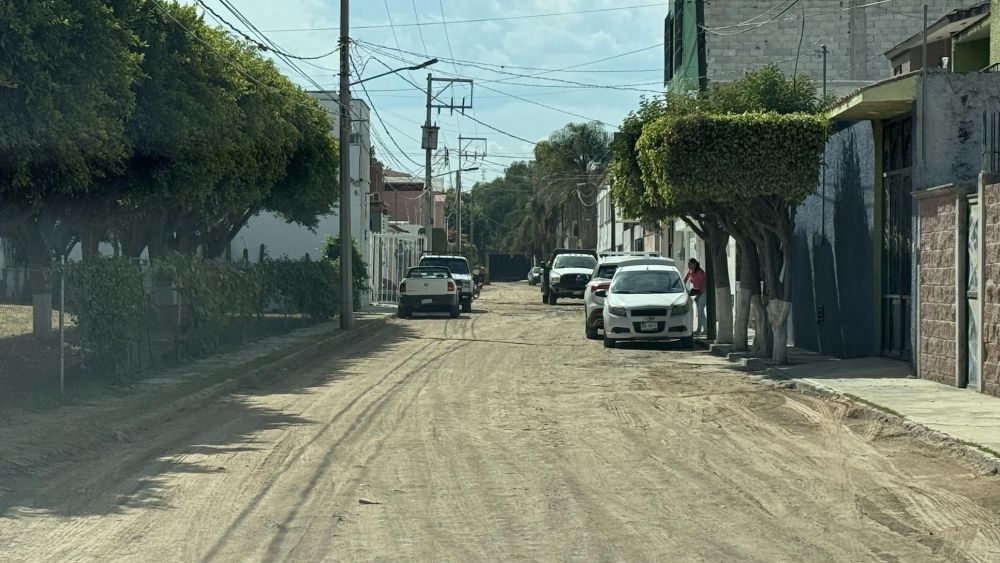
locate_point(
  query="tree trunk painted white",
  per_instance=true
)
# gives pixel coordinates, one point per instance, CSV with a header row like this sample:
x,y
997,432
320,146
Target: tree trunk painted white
x,y
741,326
724,315
778,311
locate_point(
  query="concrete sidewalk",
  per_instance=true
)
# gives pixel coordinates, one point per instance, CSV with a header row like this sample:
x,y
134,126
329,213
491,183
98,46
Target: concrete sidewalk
x,y
964,416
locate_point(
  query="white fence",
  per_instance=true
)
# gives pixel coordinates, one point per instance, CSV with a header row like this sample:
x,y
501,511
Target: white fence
x,y
389,257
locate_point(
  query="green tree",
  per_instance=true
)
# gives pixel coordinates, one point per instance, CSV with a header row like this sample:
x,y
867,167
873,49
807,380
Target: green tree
x,y
752,170
66,71
570,166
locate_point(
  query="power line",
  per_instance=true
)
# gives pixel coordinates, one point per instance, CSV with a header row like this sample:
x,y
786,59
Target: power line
x,y
239,70
381,121
756,25
477,20
250,25
714,30
420,29
268,48
512,75
514,96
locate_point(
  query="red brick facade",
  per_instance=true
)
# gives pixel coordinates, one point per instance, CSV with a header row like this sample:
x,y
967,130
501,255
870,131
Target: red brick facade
x,y
936,280
991,303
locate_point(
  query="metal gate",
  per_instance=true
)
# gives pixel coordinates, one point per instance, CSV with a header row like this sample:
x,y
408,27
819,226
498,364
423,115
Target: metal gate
x,y
389,257
972,293
897,237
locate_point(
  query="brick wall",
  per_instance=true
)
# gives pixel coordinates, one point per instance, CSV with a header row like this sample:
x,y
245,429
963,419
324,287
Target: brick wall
x,y
938,222
991,304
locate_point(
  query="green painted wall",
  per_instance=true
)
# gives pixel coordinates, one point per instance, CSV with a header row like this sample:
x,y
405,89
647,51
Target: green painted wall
x,y
994,32
972,56
687,74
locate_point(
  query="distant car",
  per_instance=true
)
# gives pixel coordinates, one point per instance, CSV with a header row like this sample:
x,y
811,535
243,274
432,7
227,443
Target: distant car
x,y
458,265
567,274
535,275
427,289
647,302
607,263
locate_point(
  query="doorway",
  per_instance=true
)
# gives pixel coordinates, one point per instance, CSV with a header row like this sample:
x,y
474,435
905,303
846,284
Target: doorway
x,y
896,239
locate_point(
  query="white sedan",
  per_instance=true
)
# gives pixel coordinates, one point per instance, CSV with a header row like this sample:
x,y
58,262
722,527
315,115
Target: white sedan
x,y
593,304
647,303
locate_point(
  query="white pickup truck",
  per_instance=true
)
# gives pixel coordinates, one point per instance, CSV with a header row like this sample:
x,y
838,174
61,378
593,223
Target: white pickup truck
x,y
426,289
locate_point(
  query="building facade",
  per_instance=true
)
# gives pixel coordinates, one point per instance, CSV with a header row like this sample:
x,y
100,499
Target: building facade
x,y
709,41
270,235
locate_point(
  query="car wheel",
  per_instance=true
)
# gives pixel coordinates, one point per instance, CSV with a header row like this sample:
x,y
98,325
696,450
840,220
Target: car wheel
x,y
454,312
608,342
591,331
545,298
552,298
687,342
467,306
403,313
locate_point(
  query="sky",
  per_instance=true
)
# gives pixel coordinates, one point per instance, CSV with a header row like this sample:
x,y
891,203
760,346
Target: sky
x,y
510,59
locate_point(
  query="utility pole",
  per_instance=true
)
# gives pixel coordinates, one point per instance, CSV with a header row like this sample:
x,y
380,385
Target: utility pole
x,y
346,238
824,51
458,191
464,144
430,144
430,135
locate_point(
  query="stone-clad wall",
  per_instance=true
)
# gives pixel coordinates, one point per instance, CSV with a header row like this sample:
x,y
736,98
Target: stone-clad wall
x,y
937,331
991,303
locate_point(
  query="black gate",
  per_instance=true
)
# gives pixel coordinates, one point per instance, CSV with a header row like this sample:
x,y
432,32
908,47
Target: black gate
x,y
897,237
508,267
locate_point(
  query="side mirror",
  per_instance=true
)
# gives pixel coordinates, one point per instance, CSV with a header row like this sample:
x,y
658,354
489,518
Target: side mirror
x,y
601,293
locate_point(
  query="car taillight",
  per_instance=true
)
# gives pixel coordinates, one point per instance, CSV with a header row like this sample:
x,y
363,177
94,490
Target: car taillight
x,y
451,286
600,285
402,287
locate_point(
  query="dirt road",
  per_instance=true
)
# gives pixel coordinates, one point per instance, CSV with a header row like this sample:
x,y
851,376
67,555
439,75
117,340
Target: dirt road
x,y
504,435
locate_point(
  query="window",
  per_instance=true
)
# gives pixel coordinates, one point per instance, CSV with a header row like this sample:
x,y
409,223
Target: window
x,y
668,49
678,39
574,261
648,281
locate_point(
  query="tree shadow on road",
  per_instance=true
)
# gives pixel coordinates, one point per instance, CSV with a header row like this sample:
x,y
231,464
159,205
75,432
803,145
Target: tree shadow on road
x,y
137,471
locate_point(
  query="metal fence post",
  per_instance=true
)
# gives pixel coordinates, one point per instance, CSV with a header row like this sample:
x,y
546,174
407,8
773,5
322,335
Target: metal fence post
x,y
62,327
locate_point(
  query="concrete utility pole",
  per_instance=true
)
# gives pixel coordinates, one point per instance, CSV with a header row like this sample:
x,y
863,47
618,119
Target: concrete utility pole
x,y
346,238
430,136
463,151
430,143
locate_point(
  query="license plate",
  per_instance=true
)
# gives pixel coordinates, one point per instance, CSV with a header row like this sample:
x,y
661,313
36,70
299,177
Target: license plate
x,y
648,327
426,301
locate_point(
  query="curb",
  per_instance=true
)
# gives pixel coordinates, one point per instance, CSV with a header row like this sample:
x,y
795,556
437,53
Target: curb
x,y
935,438
243,374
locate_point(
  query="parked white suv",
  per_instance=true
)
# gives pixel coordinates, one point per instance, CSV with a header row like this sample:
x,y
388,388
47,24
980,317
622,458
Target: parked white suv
x,y
607,263
647,302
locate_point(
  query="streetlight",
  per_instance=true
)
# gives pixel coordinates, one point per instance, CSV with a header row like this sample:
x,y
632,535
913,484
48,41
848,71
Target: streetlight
x,y
424,64
346,237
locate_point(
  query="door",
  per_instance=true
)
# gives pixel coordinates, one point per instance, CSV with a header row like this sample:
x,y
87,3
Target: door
x,y
972,293
896,239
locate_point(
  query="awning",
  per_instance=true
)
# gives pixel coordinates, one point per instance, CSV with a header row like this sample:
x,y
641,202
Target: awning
x,y
883,100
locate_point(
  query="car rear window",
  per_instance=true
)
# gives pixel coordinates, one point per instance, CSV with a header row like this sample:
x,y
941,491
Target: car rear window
x,y
455,265
428,273
606,271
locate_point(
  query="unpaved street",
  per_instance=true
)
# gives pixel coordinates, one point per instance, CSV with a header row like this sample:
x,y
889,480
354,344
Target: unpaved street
x,y
504,435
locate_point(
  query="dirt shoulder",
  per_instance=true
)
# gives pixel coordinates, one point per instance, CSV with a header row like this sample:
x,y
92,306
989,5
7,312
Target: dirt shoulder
x,y
33,439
